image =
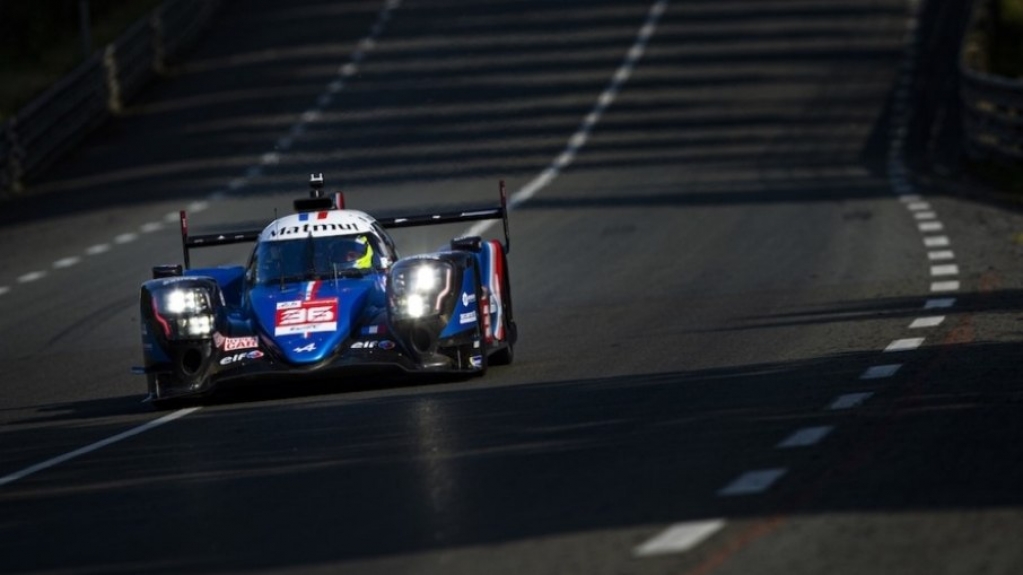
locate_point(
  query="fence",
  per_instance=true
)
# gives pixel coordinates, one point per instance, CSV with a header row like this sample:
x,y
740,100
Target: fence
x,y
58,120
992,106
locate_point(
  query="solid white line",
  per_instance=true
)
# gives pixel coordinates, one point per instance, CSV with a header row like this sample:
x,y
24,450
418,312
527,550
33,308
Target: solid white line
x,y
31,277
752,482
918,206
126,238
939,303
945,270
97,249
806,437
11,478
930,321
850,400
906,344
941,255
936,241
150,227
881,371
925,215
66,262
930,226
951,285
680,537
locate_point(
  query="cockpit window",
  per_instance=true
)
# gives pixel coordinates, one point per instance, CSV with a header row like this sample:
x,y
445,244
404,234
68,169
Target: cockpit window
x,y
312,258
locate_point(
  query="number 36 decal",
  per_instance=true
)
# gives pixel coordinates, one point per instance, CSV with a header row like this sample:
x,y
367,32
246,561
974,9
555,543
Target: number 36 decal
x,y
306,316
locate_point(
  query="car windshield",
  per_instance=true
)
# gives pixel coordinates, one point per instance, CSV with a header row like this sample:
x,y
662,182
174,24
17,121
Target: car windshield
x,y
315,258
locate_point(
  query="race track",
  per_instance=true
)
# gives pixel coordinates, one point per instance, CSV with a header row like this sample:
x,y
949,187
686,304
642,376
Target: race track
x,y
752,339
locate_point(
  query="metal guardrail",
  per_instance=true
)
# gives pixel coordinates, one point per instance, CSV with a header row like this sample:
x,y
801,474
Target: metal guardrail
x,y
61,117
992,106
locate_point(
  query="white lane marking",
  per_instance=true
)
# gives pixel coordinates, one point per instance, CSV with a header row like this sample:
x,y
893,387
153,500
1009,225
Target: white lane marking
x,y
941,255
945,270
910,198
126,238
930,226
171,217
578,139
198,206
881,371
951,285
918,206
11,478
925,215
150,227
752,482
805,437
680,537
930,321
310,116
237,183
939,303
4,290
850,400
936,241
905,344
31,277
66,262
270,159
97,249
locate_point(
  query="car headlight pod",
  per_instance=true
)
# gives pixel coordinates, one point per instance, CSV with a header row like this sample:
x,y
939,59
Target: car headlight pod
x,y
184,312
419,288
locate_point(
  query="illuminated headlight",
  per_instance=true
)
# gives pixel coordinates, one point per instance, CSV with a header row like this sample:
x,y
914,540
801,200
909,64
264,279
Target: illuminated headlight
x,y
185,302
184,313
419,288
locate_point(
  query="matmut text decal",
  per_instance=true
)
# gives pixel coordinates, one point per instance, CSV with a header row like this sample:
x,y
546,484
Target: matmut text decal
x,y
295,317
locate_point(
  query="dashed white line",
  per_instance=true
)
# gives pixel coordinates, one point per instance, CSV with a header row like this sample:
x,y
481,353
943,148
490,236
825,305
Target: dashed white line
x,y
930,321
805,437
945,270
850,400
905,344
752,482
940,303
881,371
4,290
126,238
31,277
936,241
150,227
930,226
66,262
918,206
171,217
11,478
940,255
270,159
97,249
925,215
680,537
950,285
198,206
910,198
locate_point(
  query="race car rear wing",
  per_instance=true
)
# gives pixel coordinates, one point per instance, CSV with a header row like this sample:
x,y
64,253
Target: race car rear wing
x,y
499,212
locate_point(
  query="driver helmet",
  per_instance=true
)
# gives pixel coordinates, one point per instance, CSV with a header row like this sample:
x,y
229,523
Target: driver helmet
x,y
354,254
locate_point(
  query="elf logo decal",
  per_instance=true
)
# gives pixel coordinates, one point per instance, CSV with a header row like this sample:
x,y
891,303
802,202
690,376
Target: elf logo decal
x,y
384,344
241,357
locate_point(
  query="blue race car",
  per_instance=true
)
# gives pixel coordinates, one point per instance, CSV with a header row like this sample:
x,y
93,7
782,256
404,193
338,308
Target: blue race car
x,y
326,294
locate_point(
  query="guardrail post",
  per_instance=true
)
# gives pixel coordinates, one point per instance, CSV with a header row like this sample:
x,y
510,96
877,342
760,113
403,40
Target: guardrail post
x,y
113,84
159,48
14,156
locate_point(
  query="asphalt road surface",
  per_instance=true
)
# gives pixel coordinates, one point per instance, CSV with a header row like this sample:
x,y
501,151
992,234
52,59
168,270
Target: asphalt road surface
x,y
751,339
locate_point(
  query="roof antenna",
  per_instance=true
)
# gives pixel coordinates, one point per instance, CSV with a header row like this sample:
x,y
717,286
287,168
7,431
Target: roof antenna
x,y
316,185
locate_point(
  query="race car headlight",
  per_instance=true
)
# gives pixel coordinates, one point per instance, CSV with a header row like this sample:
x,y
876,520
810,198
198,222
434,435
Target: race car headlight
x,y
184,313
419,288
